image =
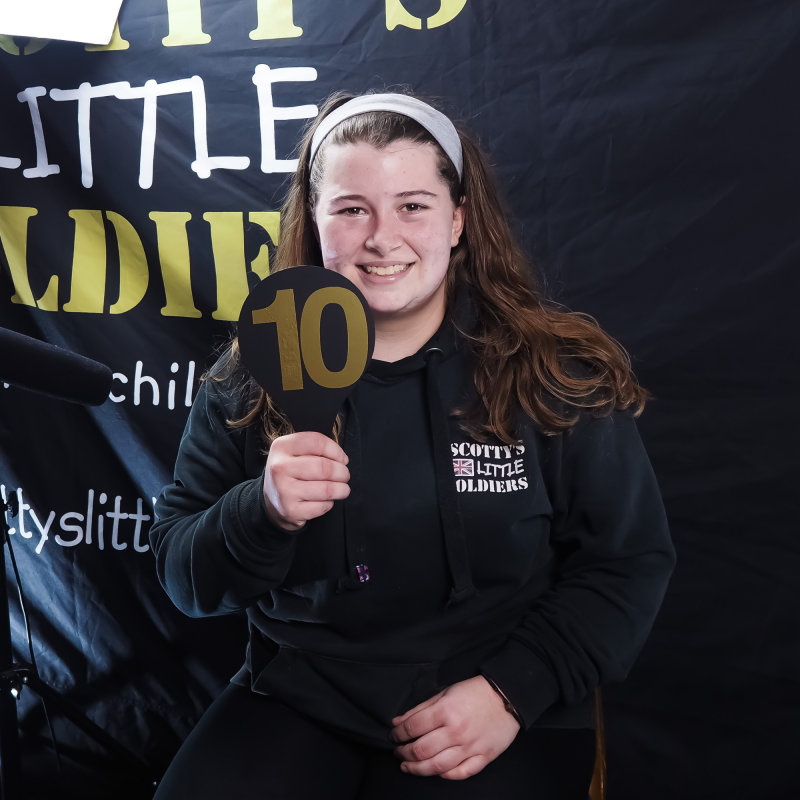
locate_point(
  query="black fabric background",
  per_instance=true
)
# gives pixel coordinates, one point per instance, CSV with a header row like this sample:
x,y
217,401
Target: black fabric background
x,y
649,154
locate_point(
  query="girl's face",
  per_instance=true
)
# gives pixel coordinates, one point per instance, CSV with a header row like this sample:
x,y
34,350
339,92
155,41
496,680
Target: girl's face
x,y
385,220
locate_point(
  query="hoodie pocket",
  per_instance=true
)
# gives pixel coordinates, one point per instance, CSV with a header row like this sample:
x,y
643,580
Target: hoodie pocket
x,y
357,698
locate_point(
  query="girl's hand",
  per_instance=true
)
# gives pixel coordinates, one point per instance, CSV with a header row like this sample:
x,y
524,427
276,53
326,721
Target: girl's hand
x,y
457,732
305,473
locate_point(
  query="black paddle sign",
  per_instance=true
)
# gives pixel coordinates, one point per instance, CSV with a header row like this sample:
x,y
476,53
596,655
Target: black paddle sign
x,y
306,335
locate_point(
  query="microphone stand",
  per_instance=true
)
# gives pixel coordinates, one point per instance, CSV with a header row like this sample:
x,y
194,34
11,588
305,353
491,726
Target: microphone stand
x,y
13,676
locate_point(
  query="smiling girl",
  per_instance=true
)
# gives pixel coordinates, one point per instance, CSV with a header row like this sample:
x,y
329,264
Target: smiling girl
x,y
437,592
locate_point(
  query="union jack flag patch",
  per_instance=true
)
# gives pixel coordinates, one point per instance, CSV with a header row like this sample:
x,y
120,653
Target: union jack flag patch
x,y
464,466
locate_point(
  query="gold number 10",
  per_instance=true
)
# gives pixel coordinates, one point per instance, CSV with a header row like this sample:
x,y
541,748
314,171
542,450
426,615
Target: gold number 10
x,y
282,311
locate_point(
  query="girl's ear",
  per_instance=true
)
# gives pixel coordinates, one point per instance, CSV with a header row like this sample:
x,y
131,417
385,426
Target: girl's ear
x,y
458,221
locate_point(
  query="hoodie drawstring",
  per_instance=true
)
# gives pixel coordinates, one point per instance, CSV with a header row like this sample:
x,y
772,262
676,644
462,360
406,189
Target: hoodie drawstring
x,y
354,541
455,542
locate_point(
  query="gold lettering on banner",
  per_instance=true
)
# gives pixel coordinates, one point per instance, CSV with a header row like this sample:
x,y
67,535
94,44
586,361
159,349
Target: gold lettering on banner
x,y
88,285
8,44
275,20
34,45
133,273
89,264
447,12
185,24
14,240
116,43
227,243
89,277
176,269
49,300
397,14
270,221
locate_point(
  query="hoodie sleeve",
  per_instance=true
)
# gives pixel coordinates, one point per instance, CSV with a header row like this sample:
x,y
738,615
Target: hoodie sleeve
x,y
609,531
216,549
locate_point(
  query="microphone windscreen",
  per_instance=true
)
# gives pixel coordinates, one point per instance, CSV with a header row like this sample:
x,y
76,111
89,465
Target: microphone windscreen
x,y
46,369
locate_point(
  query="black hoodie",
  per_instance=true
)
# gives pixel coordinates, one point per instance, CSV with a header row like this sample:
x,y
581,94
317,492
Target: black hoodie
x,y
540,566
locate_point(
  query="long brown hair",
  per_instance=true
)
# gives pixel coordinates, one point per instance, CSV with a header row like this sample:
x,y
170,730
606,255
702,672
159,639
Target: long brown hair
x,y
530,353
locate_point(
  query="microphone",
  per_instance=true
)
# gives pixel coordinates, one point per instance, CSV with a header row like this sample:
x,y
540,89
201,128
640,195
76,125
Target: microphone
x,y
46,369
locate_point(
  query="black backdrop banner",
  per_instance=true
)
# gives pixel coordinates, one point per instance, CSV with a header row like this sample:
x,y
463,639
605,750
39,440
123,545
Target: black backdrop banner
x,y
649,153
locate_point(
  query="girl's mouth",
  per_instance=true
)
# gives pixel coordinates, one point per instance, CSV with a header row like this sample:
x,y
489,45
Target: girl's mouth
x,y
388,269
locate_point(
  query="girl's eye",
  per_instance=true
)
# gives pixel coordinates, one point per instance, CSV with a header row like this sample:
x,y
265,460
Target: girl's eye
x,y
351,212
414,207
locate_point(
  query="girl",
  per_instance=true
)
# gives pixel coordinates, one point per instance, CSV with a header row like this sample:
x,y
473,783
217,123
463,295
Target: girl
x,y
435,591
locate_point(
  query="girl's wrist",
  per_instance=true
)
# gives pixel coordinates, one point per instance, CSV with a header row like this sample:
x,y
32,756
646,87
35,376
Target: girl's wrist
x,y
507,704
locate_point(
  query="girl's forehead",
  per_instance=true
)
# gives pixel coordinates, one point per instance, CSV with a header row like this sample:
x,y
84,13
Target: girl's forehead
x,y
361,161
355,149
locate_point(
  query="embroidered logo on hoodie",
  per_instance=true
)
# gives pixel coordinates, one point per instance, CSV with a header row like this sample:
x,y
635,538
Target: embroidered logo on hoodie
x,y
501,465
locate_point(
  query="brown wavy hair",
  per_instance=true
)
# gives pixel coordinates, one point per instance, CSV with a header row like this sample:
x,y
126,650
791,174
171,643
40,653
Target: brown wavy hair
x,y
529,353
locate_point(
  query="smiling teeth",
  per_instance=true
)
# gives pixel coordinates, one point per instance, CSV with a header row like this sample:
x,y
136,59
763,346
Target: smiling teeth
x,y
386,270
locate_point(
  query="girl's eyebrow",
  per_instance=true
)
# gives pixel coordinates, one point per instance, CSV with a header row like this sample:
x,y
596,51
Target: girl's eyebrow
x,y
424,192
356,198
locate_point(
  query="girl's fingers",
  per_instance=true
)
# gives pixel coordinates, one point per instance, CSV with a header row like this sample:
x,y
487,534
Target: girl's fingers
x,y
418,724
315,468
427,746
429,702
441,763
320,491
312,511
309,443
467,768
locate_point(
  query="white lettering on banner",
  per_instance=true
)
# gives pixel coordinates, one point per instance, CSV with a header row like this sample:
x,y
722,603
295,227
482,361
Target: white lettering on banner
x,y
116,515
83,534
101,501
171,394
139,378
263,78
154,392
114,398
89,512
76,529
137,532
42,530
43,168
203,163
189,385
23,507
84,94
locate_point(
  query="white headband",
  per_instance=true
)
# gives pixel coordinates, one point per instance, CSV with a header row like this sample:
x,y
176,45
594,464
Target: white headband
x,y
436,123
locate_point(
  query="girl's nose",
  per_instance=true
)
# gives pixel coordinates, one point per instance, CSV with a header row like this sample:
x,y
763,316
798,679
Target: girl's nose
x,y
385,234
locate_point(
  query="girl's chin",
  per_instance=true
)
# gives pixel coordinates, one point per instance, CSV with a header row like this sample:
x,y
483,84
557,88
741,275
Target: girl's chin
x,y
386,305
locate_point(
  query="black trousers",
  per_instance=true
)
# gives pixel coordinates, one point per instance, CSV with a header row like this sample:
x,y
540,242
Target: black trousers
x,y
250,747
